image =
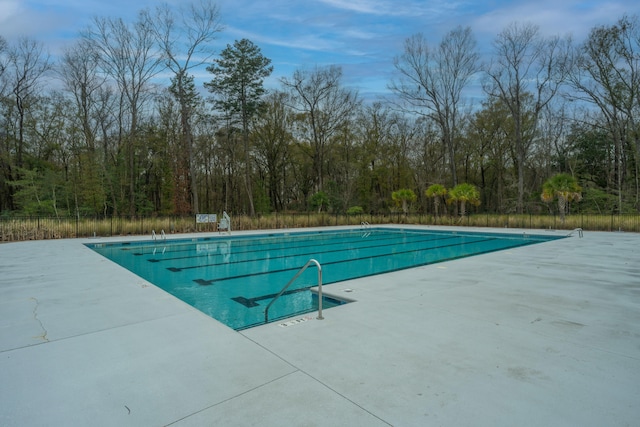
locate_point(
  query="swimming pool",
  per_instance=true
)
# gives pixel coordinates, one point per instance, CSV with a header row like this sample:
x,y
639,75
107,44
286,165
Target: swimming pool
x,y
233,278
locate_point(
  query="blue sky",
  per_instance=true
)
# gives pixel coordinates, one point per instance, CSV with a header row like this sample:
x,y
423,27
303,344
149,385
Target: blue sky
x,y
361,36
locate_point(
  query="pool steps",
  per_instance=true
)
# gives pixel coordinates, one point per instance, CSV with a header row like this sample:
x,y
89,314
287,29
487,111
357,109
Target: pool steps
x,y
311,261
154,236
578,230
225,223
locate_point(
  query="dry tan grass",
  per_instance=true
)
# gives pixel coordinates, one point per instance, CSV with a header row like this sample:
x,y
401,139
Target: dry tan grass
x,y
17,229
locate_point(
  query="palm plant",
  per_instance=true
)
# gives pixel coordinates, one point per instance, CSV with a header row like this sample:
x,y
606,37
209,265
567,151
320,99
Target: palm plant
x,y
563,187
402,198
320,200
437,192
464,193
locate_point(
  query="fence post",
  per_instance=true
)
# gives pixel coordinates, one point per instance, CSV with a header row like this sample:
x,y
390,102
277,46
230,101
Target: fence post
x,y
611,227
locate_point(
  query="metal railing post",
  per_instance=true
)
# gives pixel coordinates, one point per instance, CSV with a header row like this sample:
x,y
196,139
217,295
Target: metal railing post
x,y
266,310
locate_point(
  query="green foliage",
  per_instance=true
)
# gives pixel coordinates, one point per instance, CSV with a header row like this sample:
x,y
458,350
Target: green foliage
x,y
464,193
355,210
403,197
238,79
597,201
36,192
89,188
69,148
593,149
561,185
334,193
436,192
238,88
319,201
261,200
183,88
564,188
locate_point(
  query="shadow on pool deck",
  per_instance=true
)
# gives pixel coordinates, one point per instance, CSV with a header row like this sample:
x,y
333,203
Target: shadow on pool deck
x,y
547,334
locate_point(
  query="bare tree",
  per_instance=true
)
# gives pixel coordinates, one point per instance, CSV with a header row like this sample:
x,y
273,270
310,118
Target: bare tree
x,y
185,38
433,80
607,75
272,144
373,128
526,65
323,106
6,199
93,114
27,64
127,54
79,71
3,63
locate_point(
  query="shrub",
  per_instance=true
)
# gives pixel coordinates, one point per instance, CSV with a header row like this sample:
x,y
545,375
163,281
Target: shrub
x,y
355,210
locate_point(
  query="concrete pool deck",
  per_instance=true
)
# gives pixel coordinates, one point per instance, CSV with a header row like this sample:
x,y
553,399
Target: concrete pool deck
x,y
543,335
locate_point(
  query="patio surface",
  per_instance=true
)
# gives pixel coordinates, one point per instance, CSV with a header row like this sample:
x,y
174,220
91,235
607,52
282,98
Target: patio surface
x,y
543,335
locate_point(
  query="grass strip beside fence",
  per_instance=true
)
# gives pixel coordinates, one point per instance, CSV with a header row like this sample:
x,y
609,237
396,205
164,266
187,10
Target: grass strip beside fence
x,y
41,228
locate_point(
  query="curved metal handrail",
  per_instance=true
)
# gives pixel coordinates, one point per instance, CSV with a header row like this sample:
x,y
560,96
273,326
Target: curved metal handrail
x,y
579,230
154,236
311,261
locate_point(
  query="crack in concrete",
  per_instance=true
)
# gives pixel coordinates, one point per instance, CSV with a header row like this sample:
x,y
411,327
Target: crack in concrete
x,y
35,316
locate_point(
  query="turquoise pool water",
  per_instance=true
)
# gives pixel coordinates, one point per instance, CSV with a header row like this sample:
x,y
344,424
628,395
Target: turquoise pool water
x,y
233,278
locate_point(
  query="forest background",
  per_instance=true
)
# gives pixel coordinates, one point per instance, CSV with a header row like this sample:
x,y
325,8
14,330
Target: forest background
x,y
117,126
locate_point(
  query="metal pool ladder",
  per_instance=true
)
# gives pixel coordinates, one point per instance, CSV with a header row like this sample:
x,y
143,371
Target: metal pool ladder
x,y
154,236
578,230
311,261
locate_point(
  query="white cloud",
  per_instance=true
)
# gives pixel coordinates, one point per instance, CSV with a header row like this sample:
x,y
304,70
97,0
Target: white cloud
x,y
361,6
309,41
362,36
8,8
10,13
552,16
395,8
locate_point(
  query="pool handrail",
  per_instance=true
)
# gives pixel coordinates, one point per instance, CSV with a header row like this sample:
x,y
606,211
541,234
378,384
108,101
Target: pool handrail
x,y
311,261
154,236
225,223
578,230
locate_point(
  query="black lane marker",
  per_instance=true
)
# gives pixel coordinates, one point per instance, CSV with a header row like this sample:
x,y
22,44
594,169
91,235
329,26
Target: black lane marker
x,y
277,240
348,260
251,302
246,302
342,240
177,269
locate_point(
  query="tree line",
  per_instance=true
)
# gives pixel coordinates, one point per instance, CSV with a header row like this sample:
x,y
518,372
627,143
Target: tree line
x,y
117,125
